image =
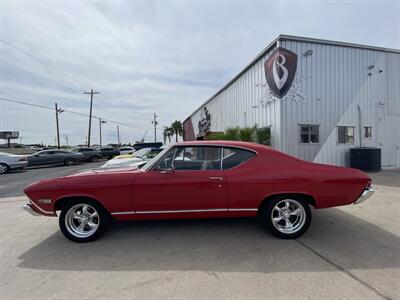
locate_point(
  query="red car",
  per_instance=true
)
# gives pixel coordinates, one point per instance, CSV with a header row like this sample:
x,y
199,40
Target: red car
x,y
200,180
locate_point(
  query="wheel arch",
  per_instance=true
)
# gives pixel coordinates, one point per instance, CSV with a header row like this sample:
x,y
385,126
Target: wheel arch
x,y
60,203
307,197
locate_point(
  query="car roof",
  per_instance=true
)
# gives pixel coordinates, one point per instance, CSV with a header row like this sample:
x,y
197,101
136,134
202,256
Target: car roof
x,y
238,144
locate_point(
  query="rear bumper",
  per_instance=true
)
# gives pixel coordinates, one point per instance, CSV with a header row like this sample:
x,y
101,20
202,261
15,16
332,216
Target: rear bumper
x,y
367,193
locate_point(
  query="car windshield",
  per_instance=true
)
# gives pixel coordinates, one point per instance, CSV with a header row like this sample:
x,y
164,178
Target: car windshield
x,y
151,163
142,152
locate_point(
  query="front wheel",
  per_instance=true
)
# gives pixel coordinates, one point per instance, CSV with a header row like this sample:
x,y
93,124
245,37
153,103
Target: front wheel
x,y
83,221
287,217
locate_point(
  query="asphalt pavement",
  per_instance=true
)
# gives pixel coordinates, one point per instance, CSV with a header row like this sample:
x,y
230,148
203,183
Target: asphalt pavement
x,y
350,252
13,183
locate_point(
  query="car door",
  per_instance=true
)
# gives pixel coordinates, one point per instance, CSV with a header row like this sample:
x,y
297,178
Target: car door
x,y
186,180
40,158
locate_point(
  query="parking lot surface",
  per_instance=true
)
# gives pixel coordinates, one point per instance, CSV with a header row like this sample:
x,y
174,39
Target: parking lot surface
x,y
348,253
13,183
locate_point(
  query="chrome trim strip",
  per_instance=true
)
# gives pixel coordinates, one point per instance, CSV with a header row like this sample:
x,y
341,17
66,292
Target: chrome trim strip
x,y
180,211
123,213
243,209
142,212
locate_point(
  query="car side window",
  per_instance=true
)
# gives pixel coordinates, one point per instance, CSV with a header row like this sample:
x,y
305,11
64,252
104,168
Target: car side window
x,y
166,162
197,158
233,157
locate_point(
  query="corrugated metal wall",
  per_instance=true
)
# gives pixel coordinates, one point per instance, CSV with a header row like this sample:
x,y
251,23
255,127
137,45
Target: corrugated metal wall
x,y
333,81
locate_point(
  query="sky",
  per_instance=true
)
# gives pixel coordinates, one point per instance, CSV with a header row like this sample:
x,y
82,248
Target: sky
x,y
145,57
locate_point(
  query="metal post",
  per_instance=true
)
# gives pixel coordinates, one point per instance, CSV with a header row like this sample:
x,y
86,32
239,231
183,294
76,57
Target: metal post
x,y
91,93
119,143
58,129
100,130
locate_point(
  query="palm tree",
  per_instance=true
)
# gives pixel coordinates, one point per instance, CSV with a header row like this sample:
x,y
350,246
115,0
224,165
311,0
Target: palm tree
x,y
177,129
168,133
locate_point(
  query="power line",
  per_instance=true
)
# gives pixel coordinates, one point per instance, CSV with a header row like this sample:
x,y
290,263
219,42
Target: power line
x,y
66,110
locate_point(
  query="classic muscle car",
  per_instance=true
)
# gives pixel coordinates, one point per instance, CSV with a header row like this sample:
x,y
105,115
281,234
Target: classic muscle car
x,y
200,180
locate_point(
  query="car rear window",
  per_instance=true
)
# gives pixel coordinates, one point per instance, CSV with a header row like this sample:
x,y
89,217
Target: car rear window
x,y
233,157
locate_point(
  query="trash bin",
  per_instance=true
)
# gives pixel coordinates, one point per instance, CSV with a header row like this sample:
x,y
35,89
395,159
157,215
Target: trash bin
x,y
366,158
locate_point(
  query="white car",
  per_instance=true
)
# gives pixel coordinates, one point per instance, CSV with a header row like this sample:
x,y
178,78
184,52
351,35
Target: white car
x,y
126,150
10,162
139,158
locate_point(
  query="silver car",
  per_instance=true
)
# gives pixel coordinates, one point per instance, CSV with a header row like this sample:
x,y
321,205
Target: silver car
x,y
10,162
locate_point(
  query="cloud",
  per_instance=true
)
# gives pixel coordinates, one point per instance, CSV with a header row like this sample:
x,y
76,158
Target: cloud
x,y
145,57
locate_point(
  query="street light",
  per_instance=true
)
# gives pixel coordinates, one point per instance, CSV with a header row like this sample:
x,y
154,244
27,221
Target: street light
x,y
101,122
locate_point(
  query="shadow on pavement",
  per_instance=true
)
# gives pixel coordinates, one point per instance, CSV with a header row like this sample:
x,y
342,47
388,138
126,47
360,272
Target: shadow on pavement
x,y
223,245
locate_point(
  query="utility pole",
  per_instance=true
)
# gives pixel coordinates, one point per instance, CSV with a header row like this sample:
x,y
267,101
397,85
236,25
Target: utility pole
x,y
91,93
66,140
58,111
119,143
101,122
154,122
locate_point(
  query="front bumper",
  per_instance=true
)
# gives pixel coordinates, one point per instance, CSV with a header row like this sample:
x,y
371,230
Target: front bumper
x,y
28,208
35,210
368,192
18,165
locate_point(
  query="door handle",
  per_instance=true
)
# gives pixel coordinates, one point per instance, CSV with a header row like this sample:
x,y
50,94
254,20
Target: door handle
x,y
216,178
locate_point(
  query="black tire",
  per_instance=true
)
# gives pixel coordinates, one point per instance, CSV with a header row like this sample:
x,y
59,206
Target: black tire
x,y
4,168
278,228
94,158
103,221
69,162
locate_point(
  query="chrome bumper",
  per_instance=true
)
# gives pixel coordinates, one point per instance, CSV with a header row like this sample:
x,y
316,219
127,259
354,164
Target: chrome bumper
x,y
28,208
368,192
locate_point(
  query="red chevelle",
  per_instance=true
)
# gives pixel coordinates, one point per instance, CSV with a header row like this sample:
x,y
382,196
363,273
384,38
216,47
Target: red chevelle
x,y
200,180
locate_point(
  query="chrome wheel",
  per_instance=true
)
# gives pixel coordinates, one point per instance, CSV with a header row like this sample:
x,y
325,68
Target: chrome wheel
x,y
82,220
3,168
288,216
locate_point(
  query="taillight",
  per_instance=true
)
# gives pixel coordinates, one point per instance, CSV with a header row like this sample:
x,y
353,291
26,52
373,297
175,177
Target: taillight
x,y
22,159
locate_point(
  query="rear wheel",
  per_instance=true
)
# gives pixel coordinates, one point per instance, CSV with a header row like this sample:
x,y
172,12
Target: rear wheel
x,y
4,168
287,217
83,221
69,162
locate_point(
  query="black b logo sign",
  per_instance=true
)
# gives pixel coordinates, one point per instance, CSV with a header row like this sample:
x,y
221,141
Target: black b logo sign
x,y
280,69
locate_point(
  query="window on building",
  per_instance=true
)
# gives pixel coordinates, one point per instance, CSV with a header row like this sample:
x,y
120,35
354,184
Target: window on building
x,y
368,132
346,134
309,134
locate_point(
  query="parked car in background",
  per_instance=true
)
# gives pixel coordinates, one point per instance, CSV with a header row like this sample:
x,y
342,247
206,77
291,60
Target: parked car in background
x,y
109,152
126,150
138,146
89,154
220,179
133,160
47,157
10,162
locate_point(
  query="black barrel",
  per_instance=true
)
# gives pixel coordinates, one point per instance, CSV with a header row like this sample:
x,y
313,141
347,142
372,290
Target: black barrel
x,y
366,158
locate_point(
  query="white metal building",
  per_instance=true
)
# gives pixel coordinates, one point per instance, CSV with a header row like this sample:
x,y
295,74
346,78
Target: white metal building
x,y
317,95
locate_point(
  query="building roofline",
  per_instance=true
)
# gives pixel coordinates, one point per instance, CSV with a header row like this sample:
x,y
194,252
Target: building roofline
x,y
284,37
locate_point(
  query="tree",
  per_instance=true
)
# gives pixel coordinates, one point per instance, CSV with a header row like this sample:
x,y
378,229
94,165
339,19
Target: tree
x,y
168,133
177,129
